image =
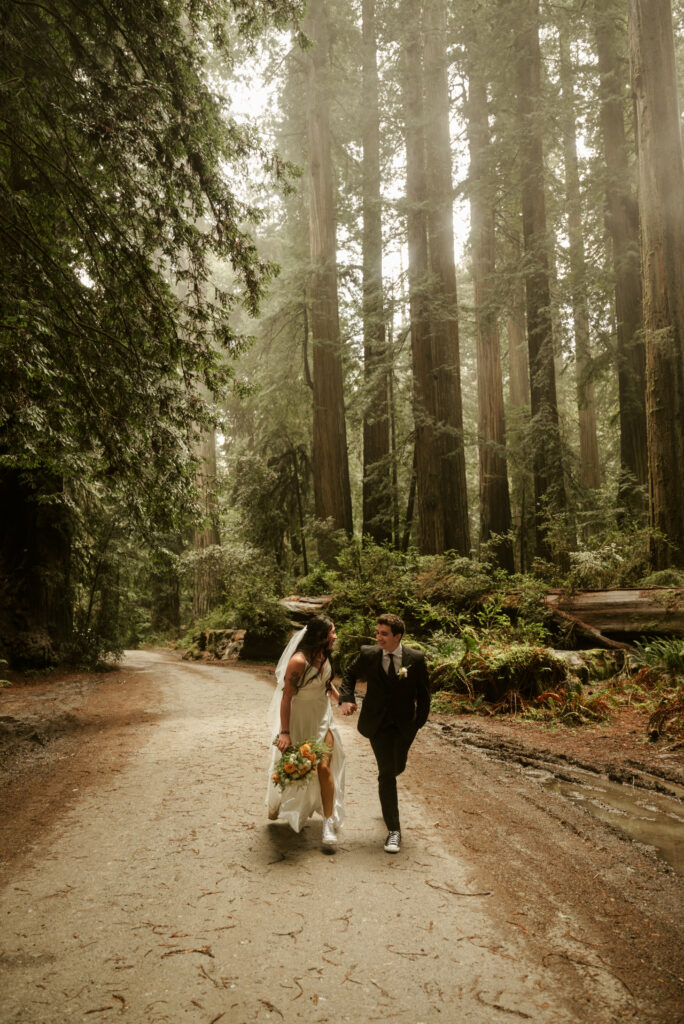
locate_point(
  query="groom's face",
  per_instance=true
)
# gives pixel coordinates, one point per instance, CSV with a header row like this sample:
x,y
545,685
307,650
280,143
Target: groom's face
x,y
386,639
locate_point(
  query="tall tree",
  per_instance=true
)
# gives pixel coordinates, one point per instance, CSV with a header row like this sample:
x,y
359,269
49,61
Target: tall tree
x,y
444,305
661,208
377,495
427,457
113,188
206,592
495,506
589,468
163,580
549,485
517,423
518,368
622,222
332,491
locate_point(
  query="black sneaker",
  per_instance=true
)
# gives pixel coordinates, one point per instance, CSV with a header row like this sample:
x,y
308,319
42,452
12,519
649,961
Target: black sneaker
x,y
393,842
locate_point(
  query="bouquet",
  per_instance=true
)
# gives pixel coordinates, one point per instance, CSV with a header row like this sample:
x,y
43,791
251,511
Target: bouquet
x,y
298,762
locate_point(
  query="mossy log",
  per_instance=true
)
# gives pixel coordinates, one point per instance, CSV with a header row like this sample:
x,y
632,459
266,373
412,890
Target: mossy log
x,y
592,665
495,672
213,644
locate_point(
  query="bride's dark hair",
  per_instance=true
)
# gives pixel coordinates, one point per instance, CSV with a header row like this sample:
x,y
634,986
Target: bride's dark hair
x,y
315,639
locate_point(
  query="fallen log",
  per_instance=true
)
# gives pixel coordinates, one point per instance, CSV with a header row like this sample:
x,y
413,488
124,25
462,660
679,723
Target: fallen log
x,y
657,612
589,632
302,608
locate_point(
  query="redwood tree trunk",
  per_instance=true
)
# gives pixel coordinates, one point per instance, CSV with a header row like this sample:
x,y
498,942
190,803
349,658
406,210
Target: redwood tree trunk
x,y
519,372
444,306
549,485
332,494
590,471
377,493
622,222
430,521
518,419
207,587
495,505
661,208
165,586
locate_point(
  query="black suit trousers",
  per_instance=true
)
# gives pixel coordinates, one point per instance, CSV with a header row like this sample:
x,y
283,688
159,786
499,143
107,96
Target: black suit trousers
x,y
391,749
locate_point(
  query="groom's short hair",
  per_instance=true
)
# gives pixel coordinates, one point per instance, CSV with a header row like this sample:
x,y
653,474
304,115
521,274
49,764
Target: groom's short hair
x,y
393,621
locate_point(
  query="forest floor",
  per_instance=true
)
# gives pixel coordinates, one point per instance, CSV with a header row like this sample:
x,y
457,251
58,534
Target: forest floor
x,y
540,876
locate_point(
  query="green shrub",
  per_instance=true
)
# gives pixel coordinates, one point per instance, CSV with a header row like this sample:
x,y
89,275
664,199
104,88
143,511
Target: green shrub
x,y
318,581
611,560
664,578
523,669
452,583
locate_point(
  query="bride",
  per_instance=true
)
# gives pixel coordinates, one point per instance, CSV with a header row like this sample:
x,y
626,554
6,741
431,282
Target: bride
x,y
301,710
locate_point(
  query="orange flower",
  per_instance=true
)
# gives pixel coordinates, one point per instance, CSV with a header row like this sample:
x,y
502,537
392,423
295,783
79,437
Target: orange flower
x,y
275,777
290,768
305,749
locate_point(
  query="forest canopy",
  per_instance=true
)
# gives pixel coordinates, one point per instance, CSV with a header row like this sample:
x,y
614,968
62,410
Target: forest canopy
x,y
280,275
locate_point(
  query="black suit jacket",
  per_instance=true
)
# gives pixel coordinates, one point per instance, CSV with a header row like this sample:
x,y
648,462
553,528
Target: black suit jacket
x,y
406,701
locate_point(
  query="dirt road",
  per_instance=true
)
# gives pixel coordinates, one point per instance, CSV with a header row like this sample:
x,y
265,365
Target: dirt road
x,y
142,882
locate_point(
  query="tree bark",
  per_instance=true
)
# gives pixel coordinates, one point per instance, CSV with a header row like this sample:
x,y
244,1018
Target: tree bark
x,y
519,462
410,505
495,506
549,485
622,222
589,469
444,303
661,208
332,494
165,586
518,367
300,509
428,469
207,588
377,504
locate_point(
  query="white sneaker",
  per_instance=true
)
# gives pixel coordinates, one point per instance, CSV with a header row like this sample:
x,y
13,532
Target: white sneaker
x,y
393,841
329,834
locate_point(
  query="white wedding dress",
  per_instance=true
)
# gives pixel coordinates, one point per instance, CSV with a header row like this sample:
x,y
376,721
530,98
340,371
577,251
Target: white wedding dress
x,y
311,717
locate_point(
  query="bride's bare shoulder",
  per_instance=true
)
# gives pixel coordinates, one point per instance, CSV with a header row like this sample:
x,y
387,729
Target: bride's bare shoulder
x,y
297,663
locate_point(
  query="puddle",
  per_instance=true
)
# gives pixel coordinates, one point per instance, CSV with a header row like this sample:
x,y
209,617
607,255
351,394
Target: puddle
x,y
646,816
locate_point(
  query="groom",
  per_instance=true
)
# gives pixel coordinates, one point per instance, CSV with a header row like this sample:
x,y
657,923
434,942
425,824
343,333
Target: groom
x,y
395,707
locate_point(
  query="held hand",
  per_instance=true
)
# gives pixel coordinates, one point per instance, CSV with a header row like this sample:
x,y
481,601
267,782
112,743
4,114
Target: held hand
x,y
283,742
347,708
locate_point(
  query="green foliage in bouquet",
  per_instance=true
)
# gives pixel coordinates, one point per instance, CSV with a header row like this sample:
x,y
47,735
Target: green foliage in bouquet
x,y
299,763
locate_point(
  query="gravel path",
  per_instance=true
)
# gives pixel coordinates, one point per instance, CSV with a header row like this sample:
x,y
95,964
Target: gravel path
x,y
163,894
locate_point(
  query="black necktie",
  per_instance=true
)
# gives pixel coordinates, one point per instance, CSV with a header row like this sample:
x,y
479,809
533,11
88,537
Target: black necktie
x,y
391,671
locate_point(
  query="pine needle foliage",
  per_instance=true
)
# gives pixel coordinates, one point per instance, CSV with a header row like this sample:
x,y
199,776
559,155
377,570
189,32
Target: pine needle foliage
x,y
117,152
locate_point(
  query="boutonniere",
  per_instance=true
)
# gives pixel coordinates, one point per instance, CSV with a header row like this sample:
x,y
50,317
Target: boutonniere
x,y
403,672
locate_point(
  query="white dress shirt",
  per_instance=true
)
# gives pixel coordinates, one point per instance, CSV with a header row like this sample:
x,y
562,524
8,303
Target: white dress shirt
x,y
396,657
